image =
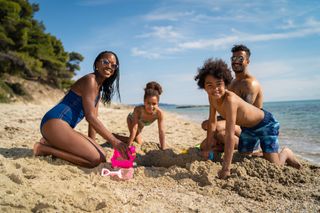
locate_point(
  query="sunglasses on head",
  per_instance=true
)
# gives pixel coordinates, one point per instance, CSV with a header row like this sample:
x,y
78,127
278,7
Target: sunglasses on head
x,y
239,59
107,62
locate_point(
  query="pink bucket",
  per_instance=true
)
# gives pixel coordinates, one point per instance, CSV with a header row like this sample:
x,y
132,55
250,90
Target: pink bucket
x,y
118,161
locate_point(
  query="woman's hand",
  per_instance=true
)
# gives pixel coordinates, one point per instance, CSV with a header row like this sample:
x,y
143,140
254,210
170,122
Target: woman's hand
x,y
122,148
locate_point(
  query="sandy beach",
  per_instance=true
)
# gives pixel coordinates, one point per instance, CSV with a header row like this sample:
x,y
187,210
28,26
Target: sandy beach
x,y
164,181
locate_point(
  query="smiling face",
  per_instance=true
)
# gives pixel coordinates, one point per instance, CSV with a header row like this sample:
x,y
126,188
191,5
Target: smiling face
x,y
239,61
106,65
214,87
151,104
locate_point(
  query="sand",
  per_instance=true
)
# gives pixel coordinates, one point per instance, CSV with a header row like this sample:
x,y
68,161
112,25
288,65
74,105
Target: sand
x,y
164,181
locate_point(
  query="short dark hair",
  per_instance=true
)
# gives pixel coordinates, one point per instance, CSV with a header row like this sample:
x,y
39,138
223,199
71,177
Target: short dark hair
x,y
110,85
152,89
216,68
241,47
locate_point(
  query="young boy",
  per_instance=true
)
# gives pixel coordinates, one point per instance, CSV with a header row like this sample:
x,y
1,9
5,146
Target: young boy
x,y
256,124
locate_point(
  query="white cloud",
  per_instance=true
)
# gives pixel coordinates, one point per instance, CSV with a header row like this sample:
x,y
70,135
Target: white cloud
x,y
146,54
160,15
283,68
202,44
312,22
291,89
288,79
312,28
288,24
162,32
221,42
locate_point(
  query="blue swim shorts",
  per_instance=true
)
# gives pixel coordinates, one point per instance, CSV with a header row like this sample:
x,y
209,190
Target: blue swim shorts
x,y
266,132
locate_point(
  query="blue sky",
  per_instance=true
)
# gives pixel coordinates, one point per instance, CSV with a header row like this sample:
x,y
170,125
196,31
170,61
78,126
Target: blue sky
x,y
167,40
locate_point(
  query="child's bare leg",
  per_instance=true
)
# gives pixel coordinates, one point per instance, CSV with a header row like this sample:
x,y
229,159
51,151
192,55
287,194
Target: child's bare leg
x,y
287,156
273,158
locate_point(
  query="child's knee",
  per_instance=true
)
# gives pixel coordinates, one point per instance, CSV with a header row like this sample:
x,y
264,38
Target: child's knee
x,y
273,158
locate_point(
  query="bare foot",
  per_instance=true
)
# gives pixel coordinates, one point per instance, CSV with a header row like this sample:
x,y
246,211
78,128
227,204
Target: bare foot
x,y
287,155
37,148
43,141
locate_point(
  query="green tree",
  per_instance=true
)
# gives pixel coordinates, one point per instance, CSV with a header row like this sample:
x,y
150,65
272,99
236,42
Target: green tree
x,y
27,50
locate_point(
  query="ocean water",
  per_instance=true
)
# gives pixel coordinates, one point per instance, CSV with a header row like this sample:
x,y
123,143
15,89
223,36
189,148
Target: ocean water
x,y
299,124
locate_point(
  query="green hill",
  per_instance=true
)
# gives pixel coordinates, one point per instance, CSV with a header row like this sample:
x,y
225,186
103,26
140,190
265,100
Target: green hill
x,y
28,52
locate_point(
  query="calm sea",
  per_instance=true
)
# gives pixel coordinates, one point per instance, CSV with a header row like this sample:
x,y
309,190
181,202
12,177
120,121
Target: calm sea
x,y
299,124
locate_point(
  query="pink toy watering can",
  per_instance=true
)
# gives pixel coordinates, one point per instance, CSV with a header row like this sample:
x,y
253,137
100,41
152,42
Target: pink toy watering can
x,y
118,161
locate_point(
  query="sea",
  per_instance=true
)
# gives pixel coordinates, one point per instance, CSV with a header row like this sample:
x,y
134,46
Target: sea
x,y
299,124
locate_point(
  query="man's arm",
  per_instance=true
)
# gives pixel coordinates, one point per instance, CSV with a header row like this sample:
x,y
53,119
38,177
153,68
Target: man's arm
x,y
252,93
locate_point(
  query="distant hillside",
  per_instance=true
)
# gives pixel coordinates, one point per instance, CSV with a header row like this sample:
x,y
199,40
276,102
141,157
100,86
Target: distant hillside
x,y
16,89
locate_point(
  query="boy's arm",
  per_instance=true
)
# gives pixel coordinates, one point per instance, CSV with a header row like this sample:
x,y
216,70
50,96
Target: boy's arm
x,y
91,130
231,115
211,125
134,130
161,130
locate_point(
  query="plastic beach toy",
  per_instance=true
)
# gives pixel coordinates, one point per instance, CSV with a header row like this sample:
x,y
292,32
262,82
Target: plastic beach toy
x,y
123,174
118,161
184,151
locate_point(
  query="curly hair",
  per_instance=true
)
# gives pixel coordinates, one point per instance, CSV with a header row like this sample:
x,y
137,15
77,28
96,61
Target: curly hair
x,y
216,68
152,89
108,88
241,47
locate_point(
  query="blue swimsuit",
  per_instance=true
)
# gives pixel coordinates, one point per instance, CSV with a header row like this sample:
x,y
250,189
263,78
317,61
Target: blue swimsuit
x,y
70,110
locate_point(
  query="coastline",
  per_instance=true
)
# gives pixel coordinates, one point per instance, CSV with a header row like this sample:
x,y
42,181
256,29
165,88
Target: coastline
x,y
164,181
